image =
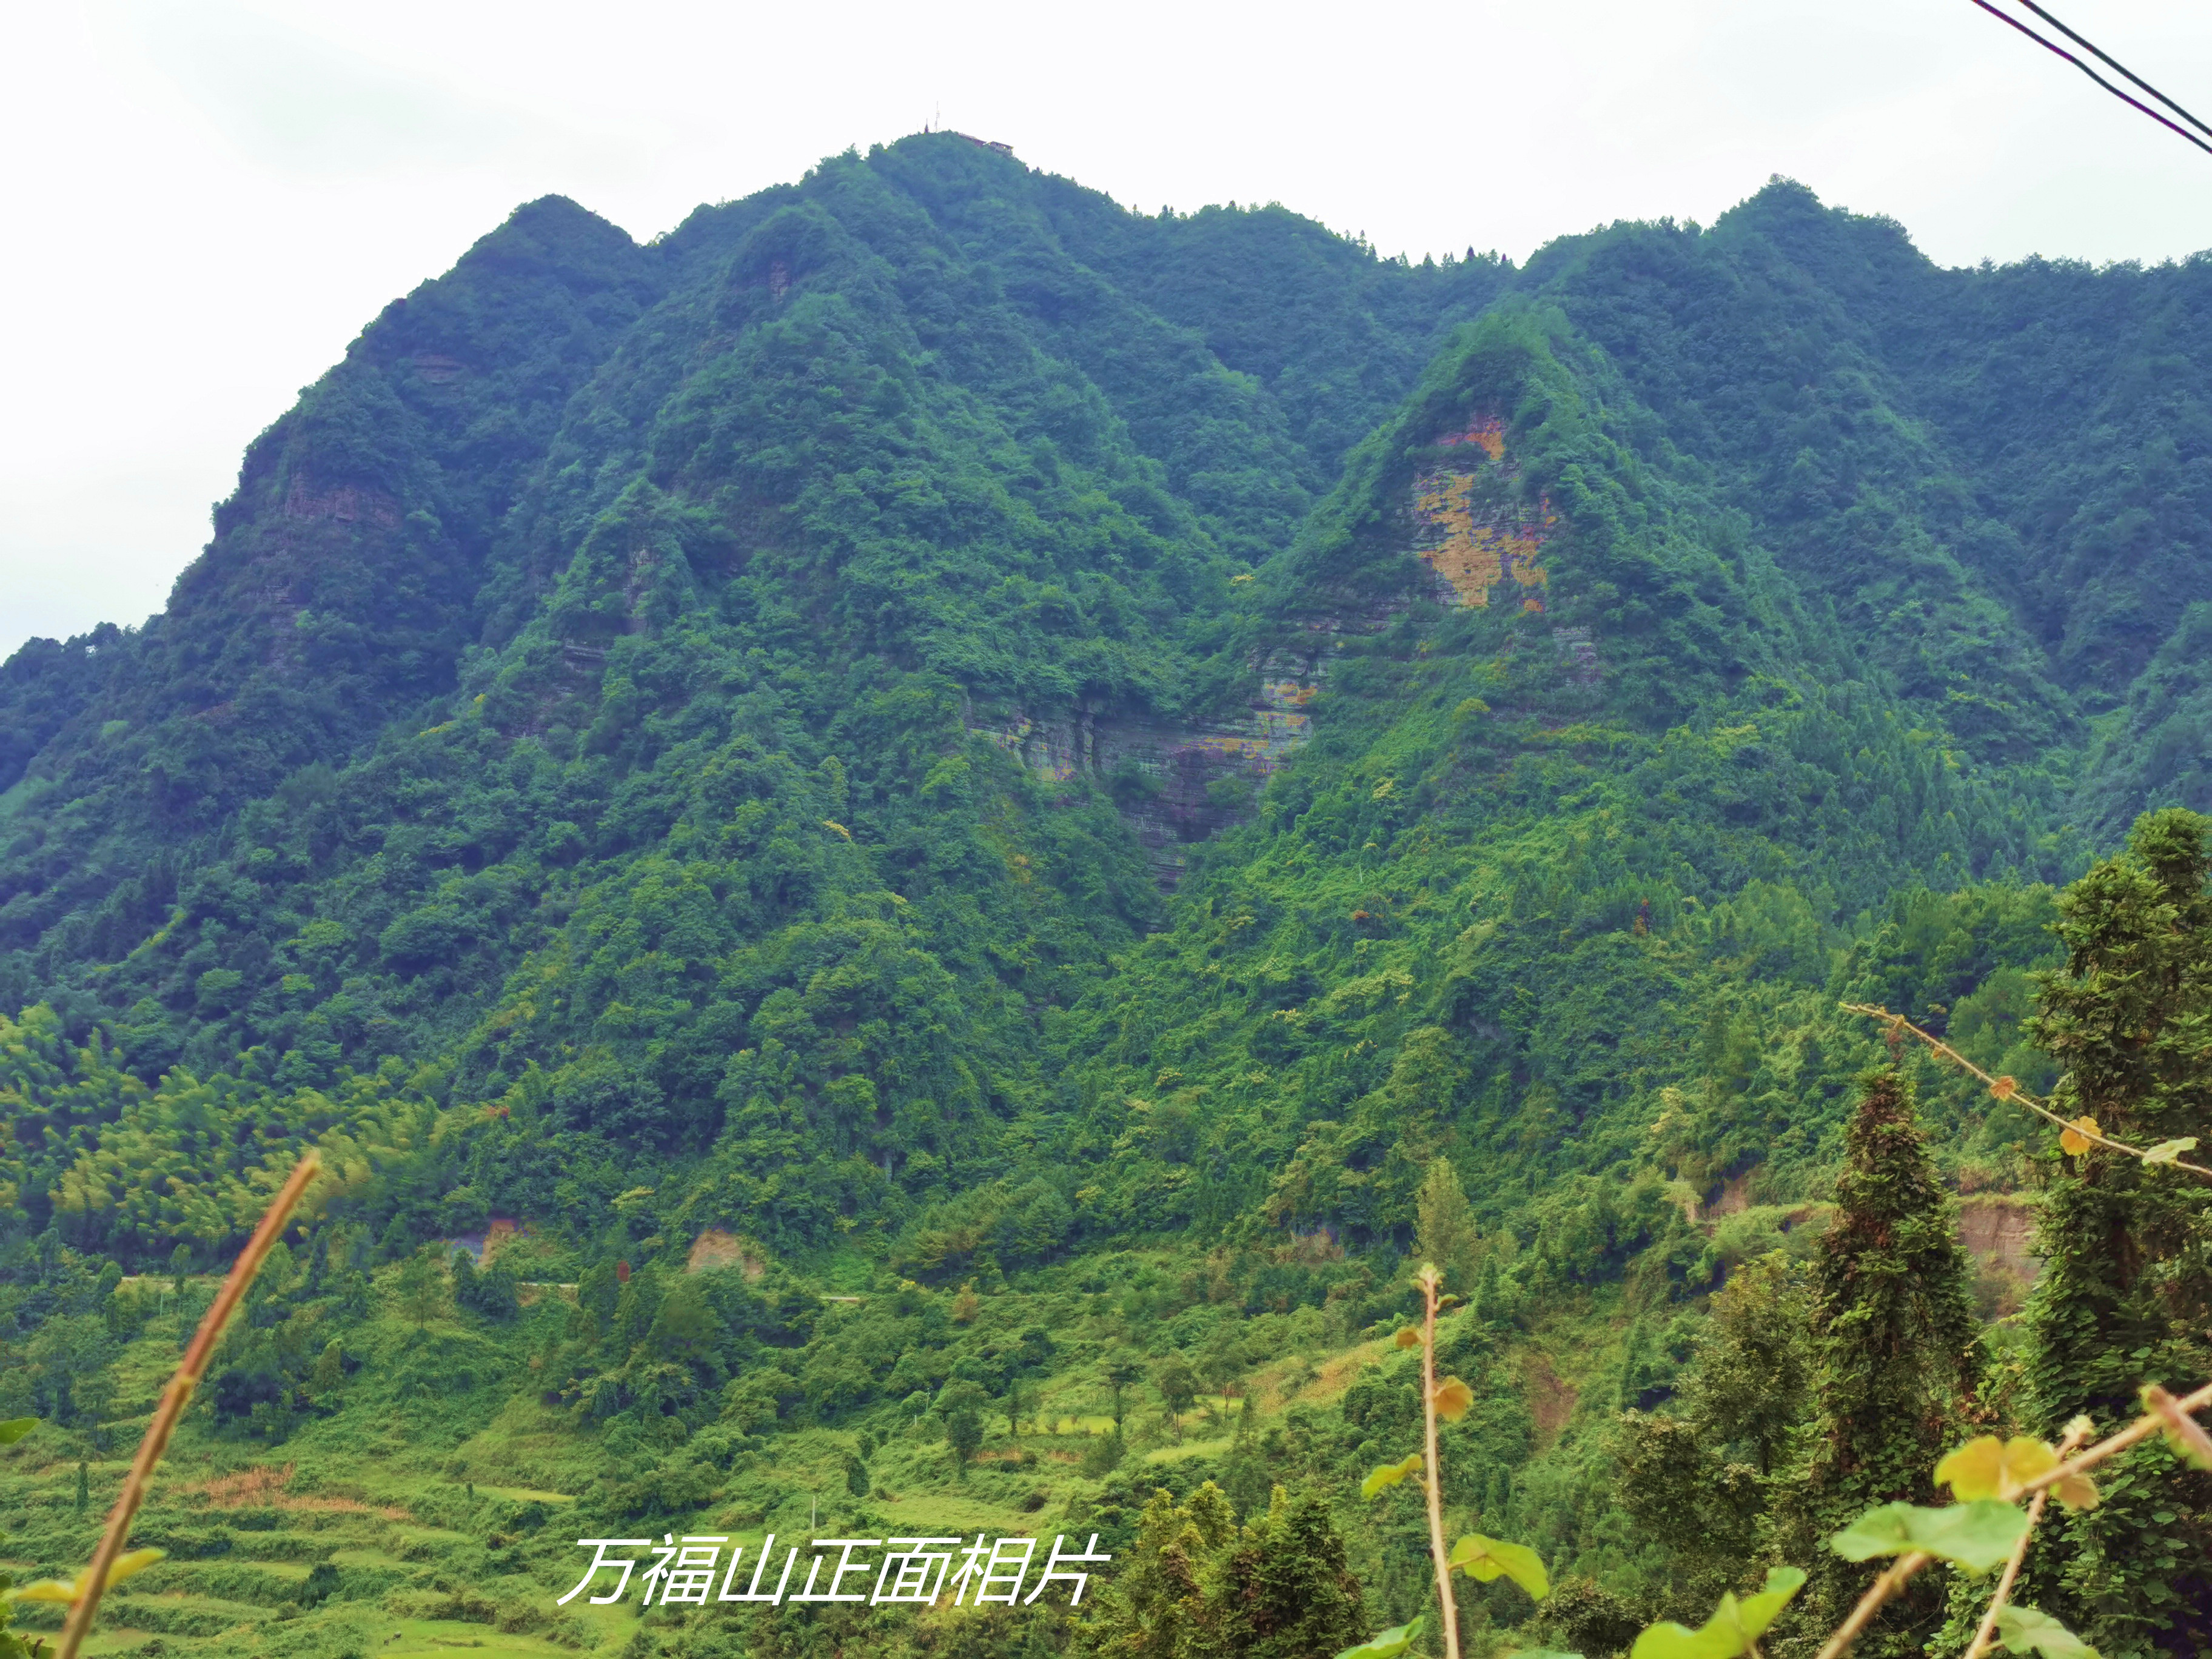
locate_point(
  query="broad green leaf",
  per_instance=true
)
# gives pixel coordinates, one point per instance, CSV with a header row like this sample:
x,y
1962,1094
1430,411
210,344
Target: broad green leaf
x,y
1975,1536
1758,1612
132,1564
1734,1627
1668,1640
1386,1644
66,1589
1384,1475
2165,1153
1453,1399
16,1428
1407,1337
1990,1468
2023,1630
1884,1531
1485,1558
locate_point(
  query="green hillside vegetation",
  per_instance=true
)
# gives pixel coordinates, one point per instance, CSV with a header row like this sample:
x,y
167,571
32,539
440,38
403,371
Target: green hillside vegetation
x,y
899,908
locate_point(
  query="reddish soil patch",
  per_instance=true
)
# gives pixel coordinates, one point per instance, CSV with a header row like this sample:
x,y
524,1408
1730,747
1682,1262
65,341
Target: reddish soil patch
x,y
344,1506
716,1249
263,1487
254,1488
1735,1195
1552,1399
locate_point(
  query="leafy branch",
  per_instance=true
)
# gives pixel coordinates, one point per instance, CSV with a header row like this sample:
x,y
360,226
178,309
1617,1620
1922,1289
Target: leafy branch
x,y
2075,1135
1983,1528
1985,1632
1481,1559
1988,1476
1735,1627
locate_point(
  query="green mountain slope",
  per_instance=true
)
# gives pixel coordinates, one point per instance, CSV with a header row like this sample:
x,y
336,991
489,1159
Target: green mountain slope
x,y
924,737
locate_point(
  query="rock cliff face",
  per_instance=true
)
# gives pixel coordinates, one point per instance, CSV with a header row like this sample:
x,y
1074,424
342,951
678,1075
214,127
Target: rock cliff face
x,y
1470,526
1179,782
1176,783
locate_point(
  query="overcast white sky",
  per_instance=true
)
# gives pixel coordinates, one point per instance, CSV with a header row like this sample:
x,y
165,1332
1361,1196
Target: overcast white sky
x,y
207,201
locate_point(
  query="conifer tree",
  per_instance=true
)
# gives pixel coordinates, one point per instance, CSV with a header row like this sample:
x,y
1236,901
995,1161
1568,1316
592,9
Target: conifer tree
x,y
421,1286
329,1375
1124,1370
597,1296
1893,1329
1198,1586
1285,1592
2125,1296
465,1279
1155,1609
180,1267
1445,1232
1177,1385
635,1308
1695,1477
960,1403
1244,1471
1748,1389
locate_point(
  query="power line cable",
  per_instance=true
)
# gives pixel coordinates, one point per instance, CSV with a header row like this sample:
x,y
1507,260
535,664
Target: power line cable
x,y
2053,46
2111,62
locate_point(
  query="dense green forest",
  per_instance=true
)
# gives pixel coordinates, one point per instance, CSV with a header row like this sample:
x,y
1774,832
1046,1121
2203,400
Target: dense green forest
x,y
908,847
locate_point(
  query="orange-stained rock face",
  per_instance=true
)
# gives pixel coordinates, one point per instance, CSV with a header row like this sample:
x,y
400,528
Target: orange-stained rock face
x,y
1473,532
1485,432
1470,529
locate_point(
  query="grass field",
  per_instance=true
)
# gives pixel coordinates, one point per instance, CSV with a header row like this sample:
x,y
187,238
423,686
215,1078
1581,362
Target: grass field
x,y
437,1507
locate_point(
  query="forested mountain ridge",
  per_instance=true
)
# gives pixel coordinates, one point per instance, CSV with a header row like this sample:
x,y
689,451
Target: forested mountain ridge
x,y
924,729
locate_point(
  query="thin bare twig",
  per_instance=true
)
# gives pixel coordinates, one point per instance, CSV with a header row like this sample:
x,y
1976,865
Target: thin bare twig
x,y
1985,1632
1434,1472
1899,1022
92,1583
1878,1593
